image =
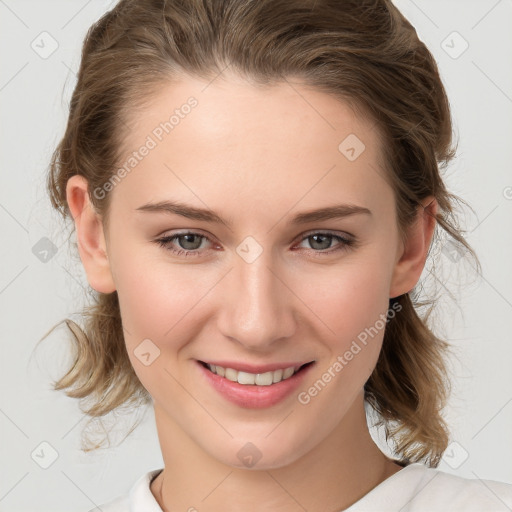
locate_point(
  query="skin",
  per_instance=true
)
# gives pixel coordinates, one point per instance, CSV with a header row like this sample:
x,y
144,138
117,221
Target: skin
x,y
257,156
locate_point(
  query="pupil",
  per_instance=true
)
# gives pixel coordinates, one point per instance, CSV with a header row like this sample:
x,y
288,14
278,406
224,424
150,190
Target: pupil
x,y
187,240
325,237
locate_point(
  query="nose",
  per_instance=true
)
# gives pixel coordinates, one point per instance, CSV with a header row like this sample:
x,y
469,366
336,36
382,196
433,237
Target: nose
x,y
258,304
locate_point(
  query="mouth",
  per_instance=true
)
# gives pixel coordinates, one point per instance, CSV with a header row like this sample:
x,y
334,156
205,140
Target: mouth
x,y
263,378
273,384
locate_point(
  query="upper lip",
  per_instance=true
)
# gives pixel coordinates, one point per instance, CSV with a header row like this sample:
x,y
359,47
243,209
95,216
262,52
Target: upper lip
x,y
260,368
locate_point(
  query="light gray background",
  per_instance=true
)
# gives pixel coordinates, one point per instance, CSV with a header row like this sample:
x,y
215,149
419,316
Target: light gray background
x,y
34,294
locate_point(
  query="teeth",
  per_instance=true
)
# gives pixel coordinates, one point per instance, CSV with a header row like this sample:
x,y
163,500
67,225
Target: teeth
x,y
278,375
260,379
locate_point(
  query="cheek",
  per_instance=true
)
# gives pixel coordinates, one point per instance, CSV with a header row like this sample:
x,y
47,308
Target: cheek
x,y
349,297
159,308
152,302
155,295
350,304
163,308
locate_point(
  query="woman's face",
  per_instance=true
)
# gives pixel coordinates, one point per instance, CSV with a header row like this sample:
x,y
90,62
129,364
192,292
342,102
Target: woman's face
x,y
263,286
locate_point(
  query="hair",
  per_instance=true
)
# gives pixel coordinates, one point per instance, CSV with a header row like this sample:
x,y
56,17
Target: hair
x,y
364,53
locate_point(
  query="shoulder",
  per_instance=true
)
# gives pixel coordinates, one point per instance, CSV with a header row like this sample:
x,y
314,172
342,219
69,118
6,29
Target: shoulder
x,y
119,504
418,488
138,498
440,490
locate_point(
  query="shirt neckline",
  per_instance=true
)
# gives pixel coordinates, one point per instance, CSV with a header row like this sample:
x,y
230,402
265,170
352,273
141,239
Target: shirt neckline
x,y
369,495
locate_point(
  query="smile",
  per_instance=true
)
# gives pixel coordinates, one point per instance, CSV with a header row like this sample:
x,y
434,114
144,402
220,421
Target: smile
x,y
264,386
251,379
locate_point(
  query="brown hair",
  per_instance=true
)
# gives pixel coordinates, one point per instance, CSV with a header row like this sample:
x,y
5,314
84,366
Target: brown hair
x,y
364,53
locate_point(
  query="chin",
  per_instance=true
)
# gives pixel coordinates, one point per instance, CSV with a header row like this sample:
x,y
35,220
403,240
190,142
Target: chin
x,y
259,454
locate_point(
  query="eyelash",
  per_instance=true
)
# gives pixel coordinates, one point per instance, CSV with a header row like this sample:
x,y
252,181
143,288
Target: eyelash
x,y
345,243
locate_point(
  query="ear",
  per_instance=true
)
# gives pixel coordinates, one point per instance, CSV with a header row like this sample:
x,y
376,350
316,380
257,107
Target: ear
x,y
413,254
90,236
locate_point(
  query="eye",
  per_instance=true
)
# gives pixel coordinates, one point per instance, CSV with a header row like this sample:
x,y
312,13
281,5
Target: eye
x,y
190,242
320,241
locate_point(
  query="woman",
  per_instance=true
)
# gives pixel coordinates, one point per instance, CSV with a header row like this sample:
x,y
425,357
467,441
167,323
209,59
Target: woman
x,y
255,188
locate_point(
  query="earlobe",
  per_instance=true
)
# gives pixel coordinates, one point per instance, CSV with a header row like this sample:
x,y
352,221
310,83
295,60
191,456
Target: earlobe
x,y
414,252
90,235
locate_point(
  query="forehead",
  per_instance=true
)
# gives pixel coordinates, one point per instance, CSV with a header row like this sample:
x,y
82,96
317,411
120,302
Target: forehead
x,y
229,108
227,138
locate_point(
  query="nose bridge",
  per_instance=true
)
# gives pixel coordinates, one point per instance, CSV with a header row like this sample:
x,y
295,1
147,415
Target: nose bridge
x,y
257,308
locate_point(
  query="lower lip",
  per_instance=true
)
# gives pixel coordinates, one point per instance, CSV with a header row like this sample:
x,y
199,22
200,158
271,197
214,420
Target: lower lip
x,y
252,396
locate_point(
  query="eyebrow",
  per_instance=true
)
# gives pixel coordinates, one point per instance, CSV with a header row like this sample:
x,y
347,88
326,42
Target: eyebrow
x,y
194,213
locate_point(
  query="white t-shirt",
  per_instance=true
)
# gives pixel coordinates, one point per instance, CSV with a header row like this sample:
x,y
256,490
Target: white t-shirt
x,y
415,488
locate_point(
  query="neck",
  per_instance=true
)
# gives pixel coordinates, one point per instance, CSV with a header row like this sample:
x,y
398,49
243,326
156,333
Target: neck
x,y
339,471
